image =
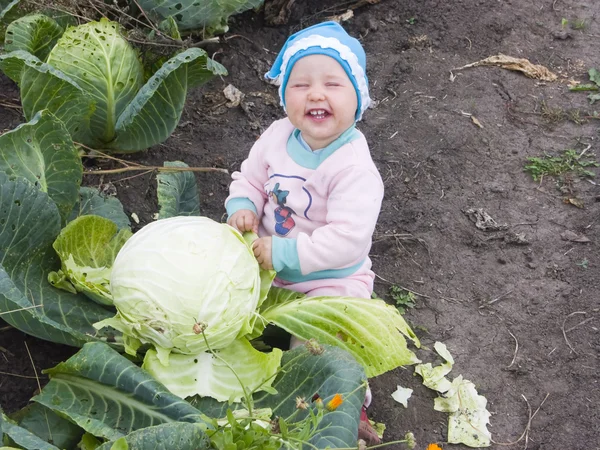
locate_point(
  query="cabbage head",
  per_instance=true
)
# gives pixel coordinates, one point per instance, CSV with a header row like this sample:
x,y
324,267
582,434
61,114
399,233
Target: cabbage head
x,y
179,275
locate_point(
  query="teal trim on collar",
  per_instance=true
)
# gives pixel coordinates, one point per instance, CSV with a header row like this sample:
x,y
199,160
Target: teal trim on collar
x,y
311,159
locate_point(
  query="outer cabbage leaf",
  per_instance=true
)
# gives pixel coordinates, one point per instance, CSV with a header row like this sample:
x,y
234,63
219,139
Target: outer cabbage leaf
x,y
304,374
206,375
29,223
34,33
103,63
469,417
168,436
371,330
44,87
177,192
435,377
42,152
8,10
109,396
93,202
87,247
198,14
155,111
21,436
48,426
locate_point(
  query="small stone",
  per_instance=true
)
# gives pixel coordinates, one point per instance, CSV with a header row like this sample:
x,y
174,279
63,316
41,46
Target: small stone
x,y
532,265
501,261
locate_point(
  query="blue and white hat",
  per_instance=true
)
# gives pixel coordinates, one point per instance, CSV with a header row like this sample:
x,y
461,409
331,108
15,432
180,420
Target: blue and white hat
x,y
327,38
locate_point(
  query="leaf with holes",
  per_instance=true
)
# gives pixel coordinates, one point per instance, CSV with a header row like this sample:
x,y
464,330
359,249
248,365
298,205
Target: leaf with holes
x,y
87,247
29,223
34,33
44,87
198,14
42,152
93,202
94,82
304,374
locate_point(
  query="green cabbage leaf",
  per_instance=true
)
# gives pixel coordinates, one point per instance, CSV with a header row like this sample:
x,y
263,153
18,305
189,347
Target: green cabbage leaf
x,y
87,247
213,376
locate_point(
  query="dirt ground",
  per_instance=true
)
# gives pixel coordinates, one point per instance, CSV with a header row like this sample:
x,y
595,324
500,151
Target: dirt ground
x,y
518,308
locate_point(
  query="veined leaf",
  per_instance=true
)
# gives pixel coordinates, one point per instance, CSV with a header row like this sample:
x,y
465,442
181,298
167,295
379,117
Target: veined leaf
x,y
44,87
153,114
48,426
304,374
371,330
93,202
87,247
170,28
42,152
206,375
29,223
198,14
177,192
22,437
109,396
103,63
34,33
8,9
168,436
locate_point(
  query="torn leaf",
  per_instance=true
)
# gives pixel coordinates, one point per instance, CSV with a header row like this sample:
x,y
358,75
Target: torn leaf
x,y
469,417
434,377
401,395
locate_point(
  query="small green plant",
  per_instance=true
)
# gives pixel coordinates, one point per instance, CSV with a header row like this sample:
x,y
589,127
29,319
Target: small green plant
x,y
593,86
404,299
411,20
570,162
564,23
579,24
583,263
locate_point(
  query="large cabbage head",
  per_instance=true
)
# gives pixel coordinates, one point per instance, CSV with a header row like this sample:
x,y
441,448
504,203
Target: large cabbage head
x,y
177,275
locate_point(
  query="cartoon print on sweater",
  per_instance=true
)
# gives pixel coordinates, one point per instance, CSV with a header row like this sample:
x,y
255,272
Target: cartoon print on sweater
x,y
284,199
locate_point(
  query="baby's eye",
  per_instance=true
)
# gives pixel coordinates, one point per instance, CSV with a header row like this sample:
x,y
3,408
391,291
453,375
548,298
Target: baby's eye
x,y
300,85
332,84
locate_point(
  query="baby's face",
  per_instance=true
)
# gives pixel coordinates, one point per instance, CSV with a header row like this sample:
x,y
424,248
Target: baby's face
x,y
320,99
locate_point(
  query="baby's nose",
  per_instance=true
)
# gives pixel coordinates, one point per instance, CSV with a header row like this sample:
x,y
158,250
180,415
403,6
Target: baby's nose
x,y
316,95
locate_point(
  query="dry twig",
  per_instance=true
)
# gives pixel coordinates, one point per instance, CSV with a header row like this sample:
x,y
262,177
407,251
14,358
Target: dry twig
x,y
516,350
564,332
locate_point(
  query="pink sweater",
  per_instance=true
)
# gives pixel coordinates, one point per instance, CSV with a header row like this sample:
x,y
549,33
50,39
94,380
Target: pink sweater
x,y
320,207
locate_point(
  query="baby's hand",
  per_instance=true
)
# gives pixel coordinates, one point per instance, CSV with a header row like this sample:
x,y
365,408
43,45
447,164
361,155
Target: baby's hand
x,y
262,251
244,220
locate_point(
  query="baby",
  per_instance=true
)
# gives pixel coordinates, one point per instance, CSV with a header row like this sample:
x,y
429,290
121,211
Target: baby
x,y
309,187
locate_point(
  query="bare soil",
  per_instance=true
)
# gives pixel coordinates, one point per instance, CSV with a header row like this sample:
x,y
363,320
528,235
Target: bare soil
x,y
517,308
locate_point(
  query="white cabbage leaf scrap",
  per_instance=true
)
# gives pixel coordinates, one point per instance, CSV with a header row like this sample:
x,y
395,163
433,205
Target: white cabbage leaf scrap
x,y
401,395
435,377
469,417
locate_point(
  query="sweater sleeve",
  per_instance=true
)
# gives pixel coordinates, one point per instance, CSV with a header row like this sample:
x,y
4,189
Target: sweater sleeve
x,y
246,190
353,207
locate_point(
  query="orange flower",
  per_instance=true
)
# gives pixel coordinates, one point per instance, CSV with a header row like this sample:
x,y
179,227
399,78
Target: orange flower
x,y
335,402
434,447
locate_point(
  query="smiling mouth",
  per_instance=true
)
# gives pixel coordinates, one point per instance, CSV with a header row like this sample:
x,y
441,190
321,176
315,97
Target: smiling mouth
x,y
318,114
